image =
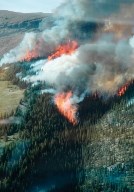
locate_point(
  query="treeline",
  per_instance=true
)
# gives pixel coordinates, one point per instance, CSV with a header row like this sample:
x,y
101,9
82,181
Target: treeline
x,y
13,72
53,142
47,144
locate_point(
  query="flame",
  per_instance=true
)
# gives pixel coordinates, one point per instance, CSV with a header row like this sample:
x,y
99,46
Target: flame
x,y
65,107
123,89
63,100
66,49
30,55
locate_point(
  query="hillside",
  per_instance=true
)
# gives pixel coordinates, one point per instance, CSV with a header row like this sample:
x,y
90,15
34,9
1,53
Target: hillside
x,y
40,149
108,155
14,25
97,153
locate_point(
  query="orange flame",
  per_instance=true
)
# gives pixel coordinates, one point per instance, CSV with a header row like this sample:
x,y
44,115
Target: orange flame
x,y
65,107
30,55
123,89
66,49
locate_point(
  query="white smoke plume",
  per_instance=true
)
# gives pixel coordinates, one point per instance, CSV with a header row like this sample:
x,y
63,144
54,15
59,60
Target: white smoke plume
x,y
73,19
103,66
104,59
10,120
19,52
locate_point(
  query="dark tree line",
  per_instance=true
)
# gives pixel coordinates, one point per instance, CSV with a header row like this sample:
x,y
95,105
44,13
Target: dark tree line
x,y
50,145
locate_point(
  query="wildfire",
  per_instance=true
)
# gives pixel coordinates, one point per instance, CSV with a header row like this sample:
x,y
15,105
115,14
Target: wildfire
x,y
66,49
30,55
123,89
65,107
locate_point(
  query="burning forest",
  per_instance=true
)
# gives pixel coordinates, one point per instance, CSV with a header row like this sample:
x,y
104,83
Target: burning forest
x,y
71,129
81,52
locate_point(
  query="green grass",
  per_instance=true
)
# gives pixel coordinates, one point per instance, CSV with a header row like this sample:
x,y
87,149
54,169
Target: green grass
x,y
10,96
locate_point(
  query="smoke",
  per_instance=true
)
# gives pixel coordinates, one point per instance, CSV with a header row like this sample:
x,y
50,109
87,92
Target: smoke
x,y
103,66
103,60
18,53
90,10
131,42
10,120
78,19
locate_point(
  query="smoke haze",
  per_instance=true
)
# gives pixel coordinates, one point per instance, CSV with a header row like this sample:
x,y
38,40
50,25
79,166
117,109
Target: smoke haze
x,y
103,60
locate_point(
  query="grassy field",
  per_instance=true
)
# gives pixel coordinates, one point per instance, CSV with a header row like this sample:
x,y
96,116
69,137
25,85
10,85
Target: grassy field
x,y
2,74
10,96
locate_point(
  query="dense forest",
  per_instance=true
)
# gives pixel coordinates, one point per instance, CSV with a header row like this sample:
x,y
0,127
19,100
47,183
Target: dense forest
x,y
50,154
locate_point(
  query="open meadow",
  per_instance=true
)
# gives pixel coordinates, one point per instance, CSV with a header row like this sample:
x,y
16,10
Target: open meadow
x,y
10,96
